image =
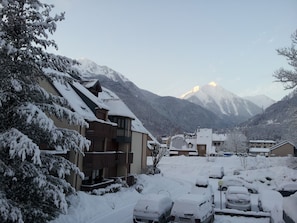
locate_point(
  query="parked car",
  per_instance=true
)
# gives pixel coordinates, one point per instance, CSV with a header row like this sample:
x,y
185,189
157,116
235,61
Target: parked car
x,y
265,198
202,181
228,181
238,197
288,188
153,208
203,187
192,208
216,172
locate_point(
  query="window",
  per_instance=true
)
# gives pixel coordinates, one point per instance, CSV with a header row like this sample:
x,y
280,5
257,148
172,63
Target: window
x,y
124,126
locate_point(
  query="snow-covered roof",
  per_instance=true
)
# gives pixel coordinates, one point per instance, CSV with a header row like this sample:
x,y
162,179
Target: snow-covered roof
x,y
69,92
262,141
137,126
259,150
116,106
76,102
90,82
90,96
184,149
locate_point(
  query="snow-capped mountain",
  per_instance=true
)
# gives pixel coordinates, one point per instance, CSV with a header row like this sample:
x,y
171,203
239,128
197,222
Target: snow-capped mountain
x,y
261,100
277,122
222,102
160,115
90,69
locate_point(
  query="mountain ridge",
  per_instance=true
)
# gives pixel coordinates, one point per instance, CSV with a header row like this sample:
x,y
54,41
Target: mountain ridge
x,y
162,115
277,122
223,102
262,101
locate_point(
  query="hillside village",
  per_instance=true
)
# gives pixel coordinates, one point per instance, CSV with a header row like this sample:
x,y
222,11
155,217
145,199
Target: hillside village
x,y
120,144
86,145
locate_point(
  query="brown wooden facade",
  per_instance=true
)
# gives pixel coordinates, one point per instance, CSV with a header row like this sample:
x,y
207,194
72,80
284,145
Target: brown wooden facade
x,y
109,156
284,148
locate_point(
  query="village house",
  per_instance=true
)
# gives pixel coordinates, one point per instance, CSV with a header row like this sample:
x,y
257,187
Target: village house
x,y
136,139
110,132
202,142
261,143
284,148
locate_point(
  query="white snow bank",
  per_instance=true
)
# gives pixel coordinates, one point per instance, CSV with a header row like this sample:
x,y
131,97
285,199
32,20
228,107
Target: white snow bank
x,y
290,206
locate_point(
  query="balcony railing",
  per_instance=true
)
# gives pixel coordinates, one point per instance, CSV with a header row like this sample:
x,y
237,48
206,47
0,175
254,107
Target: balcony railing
x,y
99,160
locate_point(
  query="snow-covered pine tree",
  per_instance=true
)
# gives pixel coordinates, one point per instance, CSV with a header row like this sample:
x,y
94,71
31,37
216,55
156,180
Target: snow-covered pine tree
x,y
32,183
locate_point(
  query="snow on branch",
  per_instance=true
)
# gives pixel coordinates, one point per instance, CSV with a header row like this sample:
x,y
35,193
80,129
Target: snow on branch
x,y
63,113
72,140
59,165
34,115
8,212
20,145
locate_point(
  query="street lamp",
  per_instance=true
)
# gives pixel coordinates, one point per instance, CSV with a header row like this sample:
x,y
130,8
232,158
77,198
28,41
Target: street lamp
x,y
220,183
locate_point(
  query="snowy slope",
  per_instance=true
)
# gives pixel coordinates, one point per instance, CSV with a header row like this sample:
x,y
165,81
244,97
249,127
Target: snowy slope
x,y
221,101
261,100
277,122
89,69
158,114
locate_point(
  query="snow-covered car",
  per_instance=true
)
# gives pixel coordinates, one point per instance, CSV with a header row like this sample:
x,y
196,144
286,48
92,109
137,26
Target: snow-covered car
x,y
216,172
228,181
153,208
201,181
238,197
192,208
267,201
287,188
203,187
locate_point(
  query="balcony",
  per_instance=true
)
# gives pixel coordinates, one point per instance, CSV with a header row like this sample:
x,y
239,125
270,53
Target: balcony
x,y
100,160
124,139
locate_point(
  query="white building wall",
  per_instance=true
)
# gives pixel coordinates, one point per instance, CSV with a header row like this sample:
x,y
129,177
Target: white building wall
x,y
136,148
204,137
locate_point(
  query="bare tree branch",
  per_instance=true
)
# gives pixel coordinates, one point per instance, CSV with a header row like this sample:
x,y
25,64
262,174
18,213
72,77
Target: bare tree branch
x,y
288,77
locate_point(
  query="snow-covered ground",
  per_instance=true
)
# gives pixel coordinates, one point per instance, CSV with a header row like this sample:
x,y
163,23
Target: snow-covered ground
x,y
177,178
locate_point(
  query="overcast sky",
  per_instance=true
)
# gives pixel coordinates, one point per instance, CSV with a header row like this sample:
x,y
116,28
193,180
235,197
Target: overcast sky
x,y
170,46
